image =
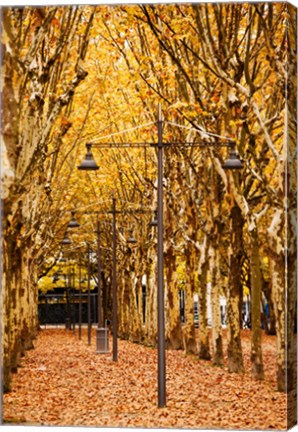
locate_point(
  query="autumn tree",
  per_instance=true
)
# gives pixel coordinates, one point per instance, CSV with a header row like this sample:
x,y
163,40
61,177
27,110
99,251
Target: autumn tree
x,y
233,65
43,64
77,74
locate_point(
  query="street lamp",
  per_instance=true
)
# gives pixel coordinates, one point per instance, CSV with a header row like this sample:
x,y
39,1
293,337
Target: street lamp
x,y
73,312
65,240
89,164
102,336
62,259
57,276
233,162
154,222
102,333
131,238
73,223
80,296
115,317
88,296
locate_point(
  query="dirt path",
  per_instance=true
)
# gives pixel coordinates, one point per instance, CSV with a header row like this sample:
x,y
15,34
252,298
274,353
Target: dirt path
x,y
63,382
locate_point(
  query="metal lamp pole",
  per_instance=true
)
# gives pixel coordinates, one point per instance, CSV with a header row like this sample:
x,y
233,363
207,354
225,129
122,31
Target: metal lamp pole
x,y
160,272
89,164
115,318
73,300
99,315
102,334
80,297
89,300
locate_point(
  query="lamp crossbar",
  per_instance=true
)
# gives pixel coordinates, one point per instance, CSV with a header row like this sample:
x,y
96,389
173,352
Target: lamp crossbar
x,y
202,144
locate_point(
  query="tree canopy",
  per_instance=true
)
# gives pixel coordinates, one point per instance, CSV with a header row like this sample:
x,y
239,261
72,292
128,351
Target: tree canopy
x,y
96,74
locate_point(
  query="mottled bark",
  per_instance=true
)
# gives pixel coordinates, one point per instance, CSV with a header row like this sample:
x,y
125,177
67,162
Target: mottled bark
x,y
173,336
19,307
129,322
215,305
106,295
279,296
151,299
256,290
291,217
188,332
267,288
204,351
135,334
33,99
276,235
235,359
124,293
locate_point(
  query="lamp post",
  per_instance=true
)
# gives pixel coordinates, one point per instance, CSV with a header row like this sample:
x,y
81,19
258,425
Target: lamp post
x,y
160,273
68,306
89,164
80,297
102,333
65,240
115,318
88,298
131,238
99,325
73,300
102,344
233,162
72,224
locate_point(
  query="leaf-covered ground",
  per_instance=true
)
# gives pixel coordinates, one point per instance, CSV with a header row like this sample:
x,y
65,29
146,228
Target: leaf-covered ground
x,y
64,382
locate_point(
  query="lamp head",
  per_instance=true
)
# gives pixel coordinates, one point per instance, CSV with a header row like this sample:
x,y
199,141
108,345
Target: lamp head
x,y
66,240
233,162
131,238
73,223
62,259
154,221
88,164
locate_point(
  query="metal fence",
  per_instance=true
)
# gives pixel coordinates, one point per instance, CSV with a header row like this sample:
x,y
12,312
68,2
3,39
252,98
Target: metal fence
x,y
64,308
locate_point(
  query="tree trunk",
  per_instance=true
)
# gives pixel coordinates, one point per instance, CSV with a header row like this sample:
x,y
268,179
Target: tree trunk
x,y
19,307
256,285
106,297
124,304
139,307
278,287
284,304
291,217
235,359
151,300
173,338
188,333
135,333
32,104
267,287
204,351
215,305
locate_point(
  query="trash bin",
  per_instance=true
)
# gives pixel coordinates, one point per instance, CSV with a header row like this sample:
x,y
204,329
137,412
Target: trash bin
x,y
102,340
67,324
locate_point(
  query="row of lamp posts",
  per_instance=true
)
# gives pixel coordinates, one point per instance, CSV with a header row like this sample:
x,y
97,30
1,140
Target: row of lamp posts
x,y
102,332
102,339
89,164
102,336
